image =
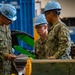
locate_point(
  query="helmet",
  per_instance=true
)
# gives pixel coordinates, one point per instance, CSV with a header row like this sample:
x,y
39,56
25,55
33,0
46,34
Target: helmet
x,y
52,5
9,11
40,19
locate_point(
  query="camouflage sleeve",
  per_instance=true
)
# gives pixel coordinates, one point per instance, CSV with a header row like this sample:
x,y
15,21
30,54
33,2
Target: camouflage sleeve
x,y
3,48
63,41
35,51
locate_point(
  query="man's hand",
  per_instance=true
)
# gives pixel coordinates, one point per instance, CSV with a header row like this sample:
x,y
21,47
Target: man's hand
x,y
51,57
11,57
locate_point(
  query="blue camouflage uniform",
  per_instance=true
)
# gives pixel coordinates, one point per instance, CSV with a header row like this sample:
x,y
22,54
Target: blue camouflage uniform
x,y
58,43
7,67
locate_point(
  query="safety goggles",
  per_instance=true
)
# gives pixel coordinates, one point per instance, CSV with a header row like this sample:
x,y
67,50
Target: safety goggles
x,y
39,26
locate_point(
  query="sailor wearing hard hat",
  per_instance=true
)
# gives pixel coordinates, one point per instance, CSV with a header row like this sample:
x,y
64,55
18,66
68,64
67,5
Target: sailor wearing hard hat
x,y
7,16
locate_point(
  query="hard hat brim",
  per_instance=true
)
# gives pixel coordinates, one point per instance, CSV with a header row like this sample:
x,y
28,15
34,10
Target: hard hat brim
x,y
51,10
12,19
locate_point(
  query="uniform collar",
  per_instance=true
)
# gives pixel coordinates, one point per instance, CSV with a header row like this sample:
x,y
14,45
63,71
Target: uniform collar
x,y
54,24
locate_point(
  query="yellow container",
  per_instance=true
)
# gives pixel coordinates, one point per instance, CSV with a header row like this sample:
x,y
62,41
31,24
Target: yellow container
x,y
36,36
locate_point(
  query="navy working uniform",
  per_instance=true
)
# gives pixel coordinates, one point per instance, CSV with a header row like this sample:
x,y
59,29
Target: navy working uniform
x,y
7,66
40,52
58,42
